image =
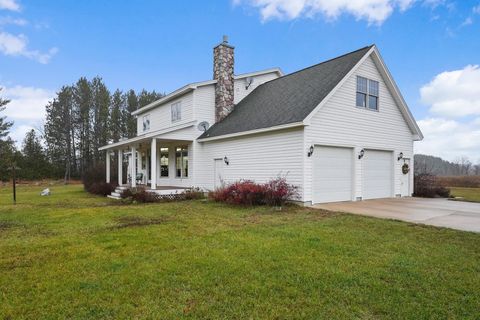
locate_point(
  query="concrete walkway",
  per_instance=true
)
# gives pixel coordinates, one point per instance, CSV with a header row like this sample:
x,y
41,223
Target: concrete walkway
x,y
436,212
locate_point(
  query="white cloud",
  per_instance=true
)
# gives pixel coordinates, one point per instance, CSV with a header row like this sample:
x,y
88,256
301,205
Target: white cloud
x,y
17,45
15,21
26,103
11,5
18,133
26,109
373,11
454,94
476,9
468,21
449,139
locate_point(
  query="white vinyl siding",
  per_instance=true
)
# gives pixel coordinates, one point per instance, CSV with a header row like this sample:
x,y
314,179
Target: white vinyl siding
x,y
240,85
337,123
258,157
160,116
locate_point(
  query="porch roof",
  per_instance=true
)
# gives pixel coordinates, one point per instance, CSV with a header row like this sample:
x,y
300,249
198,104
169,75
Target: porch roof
x,y
147,137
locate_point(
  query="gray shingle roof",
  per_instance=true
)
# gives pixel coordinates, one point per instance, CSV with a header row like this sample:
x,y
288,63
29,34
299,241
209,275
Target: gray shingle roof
x,y
287,99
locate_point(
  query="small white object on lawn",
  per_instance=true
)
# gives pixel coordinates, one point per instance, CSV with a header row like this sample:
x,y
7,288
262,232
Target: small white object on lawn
x,y
45,192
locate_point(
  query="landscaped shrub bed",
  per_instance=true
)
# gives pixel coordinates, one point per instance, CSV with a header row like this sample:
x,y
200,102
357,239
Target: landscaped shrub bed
x,y
426,185
248,193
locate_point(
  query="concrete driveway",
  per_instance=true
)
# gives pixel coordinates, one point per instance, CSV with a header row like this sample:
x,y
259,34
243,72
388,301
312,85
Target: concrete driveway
x,y
436,212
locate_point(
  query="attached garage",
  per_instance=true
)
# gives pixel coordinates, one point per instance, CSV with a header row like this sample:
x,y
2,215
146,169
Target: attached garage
x,y
377,174
332,174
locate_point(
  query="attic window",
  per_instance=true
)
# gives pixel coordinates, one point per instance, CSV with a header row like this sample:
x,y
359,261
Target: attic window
x,y
146,123
176,111
367,93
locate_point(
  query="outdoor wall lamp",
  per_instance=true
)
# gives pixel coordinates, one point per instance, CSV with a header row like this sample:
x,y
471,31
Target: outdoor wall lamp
x,y
226,160
310,151
361,154
400,156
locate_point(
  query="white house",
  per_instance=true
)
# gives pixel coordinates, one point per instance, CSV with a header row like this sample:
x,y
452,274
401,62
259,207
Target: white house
x,y
339,130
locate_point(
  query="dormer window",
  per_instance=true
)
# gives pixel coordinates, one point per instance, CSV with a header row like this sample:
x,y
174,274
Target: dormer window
x,y
176,111
367,93
146,123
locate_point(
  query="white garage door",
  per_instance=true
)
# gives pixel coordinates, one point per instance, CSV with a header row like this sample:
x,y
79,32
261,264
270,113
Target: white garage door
x,y
377,174
332,174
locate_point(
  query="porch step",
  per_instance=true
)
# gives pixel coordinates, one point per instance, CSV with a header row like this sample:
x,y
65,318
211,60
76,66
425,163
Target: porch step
x,y
116,194
122,188
114,197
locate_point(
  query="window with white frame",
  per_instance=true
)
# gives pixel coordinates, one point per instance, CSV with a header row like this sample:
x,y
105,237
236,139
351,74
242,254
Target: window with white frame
x,y
146,123
367,93
163,162
181,162
176,111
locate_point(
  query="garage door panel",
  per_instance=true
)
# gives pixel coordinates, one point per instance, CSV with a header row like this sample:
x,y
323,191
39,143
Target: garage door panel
x,y
377,174
332,174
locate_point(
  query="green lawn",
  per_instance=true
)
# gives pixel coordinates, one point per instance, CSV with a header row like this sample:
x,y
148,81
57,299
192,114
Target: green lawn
x,y
469,194
75,256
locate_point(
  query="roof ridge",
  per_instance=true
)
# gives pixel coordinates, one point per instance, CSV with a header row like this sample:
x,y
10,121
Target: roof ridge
x,y
315,65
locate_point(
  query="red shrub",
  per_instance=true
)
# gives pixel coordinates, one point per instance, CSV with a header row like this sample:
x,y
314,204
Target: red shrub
x,y
278,191
246,192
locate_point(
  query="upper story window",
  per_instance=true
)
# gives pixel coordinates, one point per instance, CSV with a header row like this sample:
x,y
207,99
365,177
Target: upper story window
x,y
146,123
367,93
177,111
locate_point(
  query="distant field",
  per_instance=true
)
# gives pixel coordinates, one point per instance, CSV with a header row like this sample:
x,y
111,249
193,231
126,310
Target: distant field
x,y
460,181
469,194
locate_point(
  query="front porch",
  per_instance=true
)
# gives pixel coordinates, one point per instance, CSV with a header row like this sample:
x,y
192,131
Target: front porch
x,y
160,165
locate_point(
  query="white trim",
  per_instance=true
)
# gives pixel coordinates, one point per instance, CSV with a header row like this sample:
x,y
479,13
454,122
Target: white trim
x,y
255,131
307,120
257,73
195,85
147,136
417,134
398,97
168,97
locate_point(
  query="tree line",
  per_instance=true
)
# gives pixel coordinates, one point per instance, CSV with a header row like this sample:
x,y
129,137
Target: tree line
x,y
81,118
461,166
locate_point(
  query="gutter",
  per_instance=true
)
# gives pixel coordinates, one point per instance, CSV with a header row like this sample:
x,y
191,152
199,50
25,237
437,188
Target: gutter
x,y
255,131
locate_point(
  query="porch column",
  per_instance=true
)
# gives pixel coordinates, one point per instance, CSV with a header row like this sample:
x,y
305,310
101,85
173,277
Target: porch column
x,y
107,166
153,164
120,167
133,174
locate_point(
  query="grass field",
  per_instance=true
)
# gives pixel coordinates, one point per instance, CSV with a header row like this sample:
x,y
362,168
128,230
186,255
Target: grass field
x,y
469,194
75,256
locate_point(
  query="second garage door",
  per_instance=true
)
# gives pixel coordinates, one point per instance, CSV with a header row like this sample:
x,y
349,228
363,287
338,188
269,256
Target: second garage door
x,y
332,174
377,174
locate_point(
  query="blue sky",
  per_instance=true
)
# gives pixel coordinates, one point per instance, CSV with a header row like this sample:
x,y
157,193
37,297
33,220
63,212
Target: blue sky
x,y
430,46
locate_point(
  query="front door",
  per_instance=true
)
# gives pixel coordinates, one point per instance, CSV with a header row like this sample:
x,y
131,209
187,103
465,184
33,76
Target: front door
x,y
218,172
405,181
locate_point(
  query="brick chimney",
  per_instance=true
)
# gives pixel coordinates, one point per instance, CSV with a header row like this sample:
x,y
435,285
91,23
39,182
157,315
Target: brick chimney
x,y
223,62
